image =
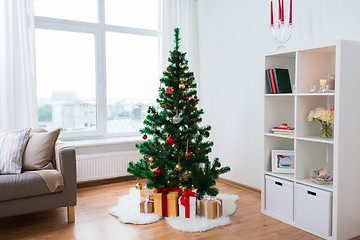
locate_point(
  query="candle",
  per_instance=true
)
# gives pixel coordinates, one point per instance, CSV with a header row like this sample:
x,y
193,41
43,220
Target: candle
x,y
272,16
282,10
279,10
290,17
323,83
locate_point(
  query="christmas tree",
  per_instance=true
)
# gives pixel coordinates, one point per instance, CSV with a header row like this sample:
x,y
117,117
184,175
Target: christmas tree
x,y
175,148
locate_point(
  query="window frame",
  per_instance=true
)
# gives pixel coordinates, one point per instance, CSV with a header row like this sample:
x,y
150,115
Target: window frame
x,y
99,30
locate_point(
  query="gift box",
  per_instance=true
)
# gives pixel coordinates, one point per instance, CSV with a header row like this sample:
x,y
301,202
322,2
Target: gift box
x,y
166,203
149,191
211,207
147,206
187,204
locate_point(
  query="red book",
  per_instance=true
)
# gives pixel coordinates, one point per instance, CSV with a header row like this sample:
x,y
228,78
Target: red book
x,y
272,80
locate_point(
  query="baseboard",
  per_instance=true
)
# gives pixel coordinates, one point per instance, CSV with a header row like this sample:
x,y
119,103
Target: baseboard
x,y
105,181
239,185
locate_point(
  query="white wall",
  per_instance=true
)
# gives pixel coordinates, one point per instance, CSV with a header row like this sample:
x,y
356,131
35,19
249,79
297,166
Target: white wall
x,y
233,38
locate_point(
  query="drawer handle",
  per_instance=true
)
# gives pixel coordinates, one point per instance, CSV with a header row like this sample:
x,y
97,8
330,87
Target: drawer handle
x,y
311,193
278,183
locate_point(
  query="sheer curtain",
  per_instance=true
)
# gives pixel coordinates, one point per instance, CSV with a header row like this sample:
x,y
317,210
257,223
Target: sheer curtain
x,y
181,14
18,108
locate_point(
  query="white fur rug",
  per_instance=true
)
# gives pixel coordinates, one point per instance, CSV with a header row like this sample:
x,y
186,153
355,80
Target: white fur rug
x,y
127,211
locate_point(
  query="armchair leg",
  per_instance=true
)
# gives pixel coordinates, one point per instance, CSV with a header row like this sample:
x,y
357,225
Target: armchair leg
x,y
71,214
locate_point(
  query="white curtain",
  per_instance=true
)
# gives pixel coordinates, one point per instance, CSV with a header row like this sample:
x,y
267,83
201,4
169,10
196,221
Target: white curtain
x,y
18,108
181,14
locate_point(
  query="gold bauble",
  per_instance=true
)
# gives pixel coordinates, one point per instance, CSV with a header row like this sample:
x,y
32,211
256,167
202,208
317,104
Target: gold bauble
x,y
138,186
151,159
181,86
178,167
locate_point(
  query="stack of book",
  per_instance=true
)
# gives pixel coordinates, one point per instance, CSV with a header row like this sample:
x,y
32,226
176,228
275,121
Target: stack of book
x,y
278,80
284,129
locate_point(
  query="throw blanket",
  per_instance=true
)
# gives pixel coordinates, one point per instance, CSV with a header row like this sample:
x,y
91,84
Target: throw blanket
x,y
52,178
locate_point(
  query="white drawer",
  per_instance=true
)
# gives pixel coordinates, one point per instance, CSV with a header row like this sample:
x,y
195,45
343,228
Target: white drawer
x,y
279,197
313,208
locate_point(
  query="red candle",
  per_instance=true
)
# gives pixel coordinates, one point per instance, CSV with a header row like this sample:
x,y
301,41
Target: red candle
x,y
280,11
290,17
272,16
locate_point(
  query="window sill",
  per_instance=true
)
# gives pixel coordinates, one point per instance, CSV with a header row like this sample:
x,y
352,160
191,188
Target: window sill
x,y
103,141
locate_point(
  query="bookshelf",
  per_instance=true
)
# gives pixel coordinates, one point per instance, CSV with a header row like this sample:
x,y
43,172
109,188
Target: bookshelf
x,y
340,154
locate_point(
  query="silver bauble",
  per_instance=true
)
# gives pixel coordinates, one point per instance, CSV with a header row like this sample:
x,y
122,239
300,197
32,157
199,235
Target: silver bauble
x,y
176,119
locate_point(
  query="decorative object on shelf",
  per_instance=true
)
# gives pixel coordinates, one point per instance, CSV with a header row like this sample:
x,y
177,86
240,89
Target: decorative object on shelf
x,y
323,85
312,89
278,80
283,129
331,82
281,31
321,176
326,119
283,161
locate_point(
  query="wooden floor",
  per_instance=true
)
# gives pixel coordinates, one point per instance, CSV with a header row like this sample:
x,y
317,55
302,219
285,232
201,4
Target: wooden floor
x,y
94,222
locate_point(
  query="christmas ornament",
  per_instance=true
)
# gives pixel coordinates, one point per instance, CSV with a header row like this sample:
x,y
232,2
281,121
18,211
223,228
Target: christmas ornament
x,y
176,119
148,111
144,136
167,105
191,121
187,156
157,171
170,140
178,167
207,133
195,97
151,159
218,165
167,68
181,86
184,62
186,98
168,90
138,186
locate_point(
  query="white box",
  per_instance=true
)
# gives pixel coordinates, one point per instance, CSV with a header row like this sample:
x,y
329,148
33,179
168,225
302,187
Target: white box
x,y
313,208
192,207
279,197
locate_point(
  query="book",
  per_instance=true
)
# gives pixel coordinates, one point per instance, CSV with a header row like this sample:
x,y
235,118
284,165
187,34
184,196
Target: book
x,y
282,130
272,81
269,89
282,80
284,133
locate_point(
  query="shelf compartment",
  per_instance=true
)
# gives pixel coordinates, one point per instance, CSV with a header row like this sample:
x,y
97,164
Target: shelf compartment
x,y
279,111
318,65
275,143
312,155
305,104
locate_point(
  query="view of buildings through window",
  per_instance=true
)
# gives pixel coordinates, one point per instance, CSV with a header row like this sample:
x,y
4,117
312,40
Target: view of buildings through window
x,y
96,71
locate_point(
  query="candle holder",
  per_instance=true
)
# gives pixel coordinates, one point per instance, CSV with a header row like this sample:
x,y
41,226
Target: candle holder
x,y
281,33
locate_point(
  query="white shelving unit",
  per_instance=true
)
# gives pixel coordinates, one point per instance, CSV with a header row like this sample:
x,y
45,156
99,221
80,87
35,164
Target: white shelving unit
x,y
341,153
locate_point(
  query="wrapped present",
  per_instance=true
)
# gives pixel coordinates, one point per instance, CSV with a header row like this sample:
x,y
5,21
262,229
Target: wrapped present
x,y
149,191
187,204
166,202
211,207
146,204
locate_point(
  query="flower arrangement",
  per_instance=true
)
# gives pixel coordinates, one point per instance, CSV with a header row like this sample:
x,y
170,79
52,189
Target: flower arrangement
x,y
326,118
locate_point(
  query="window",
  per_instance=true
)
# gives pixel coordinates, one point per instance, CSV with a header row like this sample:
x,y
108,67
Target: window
x,y
96,65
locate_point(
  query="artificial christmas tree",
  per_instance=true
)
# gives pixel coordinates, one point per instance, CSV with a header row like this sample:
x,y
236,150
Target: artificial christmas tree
x,y
176,155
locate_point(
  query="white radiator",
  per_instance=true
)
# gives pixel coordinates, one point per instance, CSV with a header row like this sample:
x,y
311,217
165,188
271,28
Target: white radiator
x,y
105,165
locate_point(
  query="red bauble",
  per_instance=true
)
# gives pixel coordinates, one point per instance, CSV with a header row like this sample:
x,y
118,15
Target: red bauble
x,y
195,97
168,90
148,111
186,98
157,171
187,156
167,69
170,140
144,136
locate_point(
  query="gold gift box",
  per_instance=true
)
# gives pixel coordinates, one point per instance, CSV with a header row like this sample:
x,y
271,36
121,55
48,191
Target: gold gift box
x,y
211,208
172,204
150,207
151,193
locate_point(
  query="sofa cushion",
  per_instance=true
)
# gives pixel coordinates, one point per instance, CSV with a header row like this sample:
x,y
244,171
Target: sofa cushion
x,y
40,150
12,146
23,185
